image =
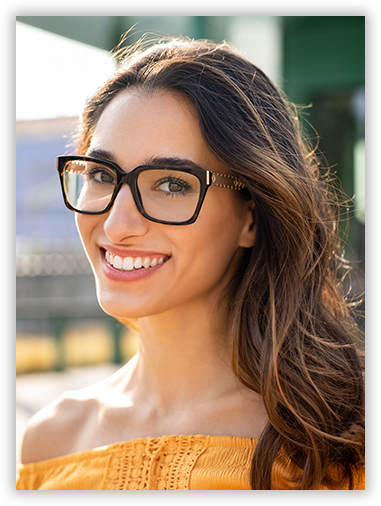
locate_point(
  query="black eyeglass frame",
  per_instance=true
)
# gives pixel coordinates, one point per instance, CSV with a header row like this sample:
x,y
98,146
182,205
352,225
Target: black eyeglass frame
x,y
206,178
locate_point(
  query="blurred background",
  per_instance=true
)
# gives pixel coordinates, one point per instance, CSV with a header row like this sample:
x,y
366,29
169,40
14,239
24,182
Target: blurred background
x,y
319,61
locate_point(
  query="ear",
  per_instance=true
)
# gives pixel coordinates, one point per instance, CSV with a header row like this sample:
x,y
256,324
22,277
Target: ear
x,y
249,229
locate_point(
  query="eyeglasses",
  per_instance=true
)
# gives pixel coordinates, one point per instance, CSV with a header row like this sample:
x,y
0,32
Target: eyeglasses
x,y
162,193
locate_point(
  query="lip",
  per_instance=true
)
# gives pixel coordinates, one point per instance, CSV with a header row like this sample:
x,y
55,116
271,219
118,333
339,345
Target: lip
x,y
134,275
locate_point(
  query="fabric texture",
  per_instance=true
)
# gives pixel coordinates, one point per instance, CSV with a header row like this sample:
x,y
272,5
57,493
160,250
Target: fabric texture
x,y
164,463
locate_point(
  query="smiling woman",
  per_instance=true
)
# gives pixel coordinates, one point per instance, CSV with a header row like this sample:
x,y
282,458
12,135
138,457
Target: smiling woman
x,y
198,260
204,220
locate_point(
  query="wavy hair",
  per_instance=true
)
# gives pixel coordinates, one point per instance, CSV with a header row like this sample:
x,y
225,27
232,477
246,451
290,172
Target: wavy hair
x,y
291,336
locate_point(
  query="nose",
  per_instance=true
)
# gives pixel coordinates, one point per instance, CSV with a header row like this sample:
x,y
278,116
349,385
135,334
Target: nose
x,y
124,219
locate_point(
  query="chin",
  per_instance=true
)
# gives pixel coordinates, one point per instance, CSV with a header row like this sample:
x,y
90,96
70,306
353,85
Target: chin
x,y
120,311
122,307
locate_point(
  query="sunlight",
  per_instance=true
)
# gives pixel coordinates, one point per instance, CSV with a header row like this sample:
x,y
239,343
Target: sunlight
x,y
54,75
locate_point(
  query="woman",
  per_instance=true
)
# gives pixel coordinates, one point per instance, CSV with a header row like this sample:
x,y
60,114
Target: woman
x,y
202,215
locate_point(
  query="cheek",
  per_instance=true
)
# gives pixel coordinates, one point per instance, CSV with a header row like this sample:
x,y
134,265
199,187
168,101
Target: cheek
x,y
209,252
85,226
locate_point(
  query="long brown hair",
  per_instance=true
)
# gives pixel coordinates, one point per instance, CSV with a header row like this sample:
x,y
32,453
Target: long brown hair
x,y
292,340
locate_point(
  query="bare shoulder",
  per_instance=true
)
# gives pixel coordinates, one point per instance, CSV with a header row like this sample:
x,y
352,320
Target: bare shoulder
x,y
56,429
74,422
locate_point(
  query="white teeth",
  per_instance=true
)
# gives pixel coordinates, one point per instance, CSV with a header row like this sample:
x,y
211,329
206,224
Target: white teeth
x,y
138,263
128,263
118,262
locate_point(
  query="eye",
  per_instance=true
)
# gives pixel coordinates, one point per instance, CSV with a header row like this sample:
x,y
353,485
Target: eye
x,y
101,175
172,186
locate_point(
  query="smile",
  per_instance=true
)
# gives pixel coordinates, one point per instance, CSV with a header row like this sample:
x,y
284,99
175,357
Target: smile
x,y
131,263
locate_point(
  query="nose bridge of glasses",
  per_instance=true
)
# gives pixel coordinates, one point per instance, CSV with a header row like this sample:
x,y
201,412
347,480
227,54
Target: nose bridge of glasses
x,y
127,177
125,181
126,191
130,179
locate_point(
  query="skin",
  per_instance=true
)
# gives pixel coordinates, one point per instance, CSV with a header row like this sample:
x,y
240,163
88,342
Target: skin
x,y
180,381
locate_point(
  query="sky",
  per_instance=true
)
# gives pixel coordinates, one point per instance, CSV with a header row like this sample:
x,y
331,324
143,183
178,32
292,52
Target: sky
x,y
54,75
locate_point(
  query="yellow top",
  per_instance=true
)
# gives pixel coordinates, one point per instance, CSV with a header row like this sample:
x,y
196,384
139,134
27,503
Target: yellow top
x,y
164,463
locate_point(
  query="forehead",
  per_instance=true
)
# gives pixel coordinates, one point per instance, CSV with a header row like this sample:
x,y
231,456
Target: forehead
x,y
137,126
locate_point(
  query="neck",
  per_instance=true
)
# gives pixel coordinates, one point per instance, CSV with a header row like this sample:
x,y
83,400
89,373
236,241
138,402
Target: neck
x,y
183,359
181,380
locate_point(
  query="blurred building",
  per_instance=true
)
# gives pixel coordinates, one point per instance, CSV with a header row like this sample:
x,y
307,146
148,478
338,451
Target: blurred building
x,y
324,65
42,224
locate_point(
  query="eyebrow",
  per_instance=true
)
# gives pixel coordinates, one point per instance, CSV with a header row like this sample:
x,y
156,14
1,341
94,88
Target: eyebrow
x,y
175,161
156,160
102,154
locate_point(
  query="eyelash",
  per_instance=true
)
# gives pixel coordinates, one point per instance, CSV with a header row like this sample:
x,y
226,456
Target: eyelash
x,y
178,180
93,172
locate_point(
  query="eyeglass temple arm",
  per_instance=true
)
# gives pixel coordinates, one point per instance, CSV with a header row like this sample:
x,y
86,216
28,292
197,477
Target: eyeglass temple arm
x,y
224,181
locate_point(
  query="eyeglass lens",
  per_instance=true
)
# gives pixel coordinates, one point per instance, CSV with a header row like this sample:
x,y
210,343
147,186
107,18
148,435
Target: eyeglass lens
x,y
166,194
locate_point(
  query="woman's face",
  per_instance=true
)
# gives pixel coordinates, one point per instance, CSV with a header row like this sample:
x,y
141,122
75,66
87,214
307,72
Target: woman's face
x,y
186,264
